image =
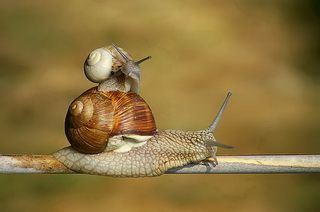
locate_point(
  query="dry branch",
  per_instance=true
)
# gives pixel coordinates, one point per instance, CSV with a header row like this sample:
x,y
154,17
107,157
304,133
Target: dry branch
x,y
263,164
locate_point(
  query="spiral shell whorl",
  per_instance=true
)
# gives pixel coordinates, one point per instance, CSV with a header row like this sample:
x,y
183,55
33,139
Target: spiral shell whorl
x,y
76,108
94,57
89,122
98,65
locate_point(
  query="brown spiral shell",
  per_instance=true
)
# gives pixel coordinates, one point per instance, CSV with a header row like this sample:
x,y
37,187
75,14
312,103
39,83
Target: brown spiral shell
x,y
95,116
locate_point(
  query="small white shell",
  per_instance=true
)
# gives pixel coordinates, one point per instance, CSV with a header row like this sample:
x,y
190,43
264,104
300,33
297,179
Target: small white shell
x,y
98,65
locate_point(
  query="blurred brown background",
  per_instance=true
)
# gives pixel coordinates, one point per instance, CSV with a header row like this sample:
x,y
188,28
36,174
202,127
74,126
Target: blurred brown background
x,y
266,52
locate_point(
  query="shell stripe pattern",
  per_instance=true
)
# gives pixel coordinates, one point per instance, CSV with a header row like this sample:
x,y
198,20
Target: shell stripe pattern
x,y
132,114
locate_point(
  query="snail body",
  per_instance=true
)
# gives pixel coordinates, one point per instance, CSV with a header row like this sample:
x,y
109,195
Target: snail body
x,y
98,119
165,150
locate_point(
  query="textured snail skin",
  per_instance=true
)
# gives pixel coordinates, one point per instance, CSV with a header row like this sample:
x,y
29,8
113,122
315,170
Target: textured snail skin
x,y
114,84
167,149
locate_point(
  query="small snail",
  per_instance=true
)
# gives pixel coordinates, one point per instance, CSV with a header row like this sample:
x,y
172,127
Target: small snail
x,y
114,69
112,131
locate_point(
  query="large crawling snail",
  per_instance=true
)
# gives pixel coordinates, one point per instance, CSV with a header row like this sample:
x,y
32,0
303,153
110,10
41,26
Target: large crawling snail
x,y
112,130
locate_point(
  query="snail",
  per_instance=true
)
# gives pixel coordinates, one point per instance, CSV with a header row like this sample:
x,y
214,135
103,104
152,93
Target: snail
x,y
112,131
114,69
164,150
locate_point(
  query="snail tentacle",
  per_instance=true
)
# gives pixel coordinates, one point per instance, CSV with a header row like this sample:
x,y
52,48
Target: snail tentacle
x,y
218,116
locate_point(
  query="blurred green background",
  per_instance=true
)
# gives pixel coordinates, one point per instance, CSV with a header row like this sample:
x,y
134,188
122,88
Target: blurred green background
x,y
266,52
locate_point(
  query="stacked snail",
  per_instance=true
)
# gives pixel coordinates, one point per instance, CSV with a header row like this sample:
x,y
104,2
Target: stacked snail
x,y
112,130
111,116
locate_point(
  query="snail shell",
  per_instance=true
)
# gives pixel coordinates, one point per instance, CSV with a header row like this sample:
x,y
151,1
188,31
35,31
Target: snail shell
x,y
95,117
101,63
